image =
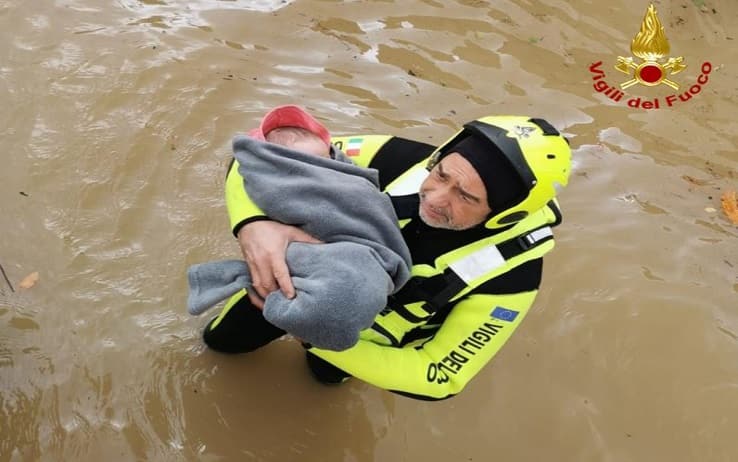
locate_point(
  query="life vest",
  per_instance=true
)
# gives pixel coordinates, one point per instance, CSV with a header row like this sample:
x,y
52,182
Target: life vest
x,y
453,274
456,273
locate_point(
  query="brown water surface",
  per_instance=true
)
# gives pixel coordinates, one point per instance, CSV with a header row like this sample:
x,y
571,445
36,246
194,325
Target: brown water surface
x,y
115,130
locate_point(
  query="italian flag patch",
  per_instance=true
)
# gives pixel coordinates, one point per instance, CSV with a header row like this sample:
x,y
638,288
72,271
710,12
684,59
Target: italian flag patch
x,y
353,147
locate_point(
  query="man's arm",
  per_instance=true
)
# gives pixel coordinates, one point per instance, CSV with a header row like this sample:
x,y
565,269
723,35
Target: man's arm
x,y
264,244
241,209
390,155
474,331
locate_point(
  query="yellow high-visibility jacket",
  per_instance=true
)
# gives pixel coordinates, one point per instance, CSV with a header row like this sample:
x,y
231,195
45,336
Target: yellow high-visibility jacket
x,y
470,289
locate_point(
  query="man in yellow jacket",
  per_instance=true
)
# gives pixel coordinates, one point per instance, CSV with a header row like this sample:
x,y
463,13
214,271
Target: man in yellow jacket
x,y
476,214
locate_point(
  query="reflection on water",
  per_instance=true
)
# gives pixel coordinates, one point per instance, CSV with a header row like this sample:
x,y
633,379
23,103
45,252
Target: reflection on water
x,y
179,13
116,134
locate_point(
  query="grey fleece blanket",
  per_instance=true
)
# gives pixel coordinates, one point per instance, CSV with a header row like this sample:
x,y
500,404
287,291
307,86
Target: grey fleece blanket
x,y
340,285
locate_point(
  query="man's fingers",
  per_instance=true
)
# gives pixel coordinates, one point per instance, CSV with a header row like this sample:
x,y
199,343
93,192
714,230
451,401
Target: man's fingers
x,y
299,235
255,300
262,281
264,244
311,240
282,276
264,284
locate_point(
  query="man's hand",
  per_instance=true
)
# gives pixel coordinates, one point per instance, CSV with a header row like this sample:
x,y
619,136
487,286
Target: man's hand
x,y
264,247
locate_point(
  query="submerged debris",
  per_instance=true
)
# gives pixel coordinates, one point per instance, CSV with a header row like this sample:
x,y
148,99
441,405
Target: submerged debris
x,y
729,202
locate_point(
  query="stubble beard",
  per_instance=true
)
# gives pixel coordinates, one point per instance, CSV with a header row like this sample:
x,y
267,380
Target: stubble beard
x,y
444,223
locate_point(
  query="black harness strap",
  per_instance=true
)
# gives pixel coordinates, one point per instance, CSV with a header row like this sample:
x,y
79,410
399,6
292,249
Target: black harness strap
x,y
452,285
438,290
404,312
376,327
516,246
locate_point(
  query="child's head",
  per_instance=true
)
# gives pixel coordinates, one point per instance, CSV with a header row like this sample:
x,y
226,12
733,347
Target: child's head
x,y
294,128
299,139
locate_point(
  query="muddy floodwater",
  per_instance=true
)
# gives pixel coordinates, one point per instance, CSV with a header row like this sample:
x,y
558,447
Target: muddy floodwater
x,y
115,126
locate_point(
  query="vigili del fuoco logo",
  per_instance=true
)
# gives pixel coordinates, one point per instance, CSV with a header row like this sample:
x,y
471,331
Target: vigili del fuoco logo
x,y
651,67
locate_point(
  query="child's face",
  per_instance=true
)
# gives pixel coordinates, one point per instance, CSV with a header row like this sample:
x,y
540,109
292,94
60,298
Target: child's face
x,y
312,146
301,140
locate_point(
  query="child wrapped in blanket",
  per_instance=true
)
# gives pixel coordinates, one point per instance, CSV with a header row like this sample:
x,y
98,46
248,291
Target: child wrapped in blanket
x,y
295,176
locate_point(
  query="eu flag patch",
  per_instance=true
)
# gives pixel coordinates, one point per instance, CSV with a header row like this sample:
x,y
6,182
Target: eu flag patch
x,y
504,314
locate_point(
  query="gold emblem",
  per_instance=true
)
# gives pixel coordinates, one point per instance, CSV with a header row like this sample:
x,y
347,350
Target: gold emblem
x,y
650,44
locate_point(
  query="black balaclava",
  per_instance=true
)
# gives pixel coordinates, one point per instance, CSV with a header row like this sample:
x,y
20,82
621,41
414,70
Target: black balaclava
x,y
504,186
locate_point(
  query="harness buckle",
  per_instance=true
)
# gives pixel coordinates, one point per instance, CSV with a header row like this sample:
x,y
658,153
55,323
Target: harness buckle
x,y
533,238
526,242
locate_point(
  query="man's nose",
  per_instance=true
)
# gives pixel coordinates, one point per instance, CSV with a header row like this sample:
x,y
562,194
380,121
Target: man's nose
x,y
438,197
